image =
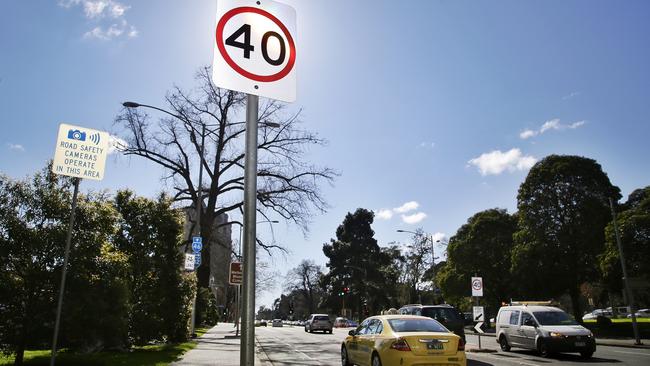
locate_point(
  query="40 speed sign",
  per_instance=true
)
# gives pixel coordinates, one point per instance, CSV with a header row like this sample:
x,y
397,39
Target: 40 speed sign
x,y
255,50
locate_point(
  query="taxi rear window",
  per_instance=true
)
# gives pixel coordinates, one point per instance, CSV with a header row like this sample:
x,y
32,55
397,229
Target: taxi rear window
x,y
416,325
321,318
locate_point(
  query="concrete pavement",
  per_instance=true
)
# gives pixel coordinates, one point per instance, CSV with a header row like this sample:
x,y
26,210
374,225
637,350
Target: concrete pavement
x,y
216,347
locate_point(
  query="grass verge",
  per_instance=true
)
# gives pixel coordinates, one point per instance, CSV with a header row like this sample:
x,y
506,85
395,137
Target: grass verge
x,y
156,355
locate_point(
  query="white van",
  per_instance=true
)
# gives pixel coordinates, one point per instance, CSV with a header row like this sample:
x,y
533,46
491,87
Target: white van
x,y
546,329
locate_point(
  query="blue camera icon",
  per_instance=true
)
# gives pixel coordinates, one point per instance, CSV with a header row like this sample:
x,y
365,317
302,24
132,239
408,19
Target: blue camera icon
x,y
76,135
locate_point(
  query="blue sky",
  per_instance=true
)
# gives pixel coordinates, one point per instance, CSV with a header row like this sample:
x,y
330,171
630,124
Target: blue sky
x,y
443,103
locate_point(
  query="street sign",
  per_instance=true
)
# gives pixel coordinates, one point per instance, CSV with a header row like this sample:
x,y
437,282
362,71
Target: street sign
x,y
477,286
255,49
478,328
197,260
197,244
236,273
189,261
80,152
478,313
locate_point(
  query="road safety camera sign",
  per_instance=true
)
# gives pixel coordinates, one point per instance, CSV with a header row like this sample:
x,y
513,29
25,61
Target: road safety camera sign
x,y
477,286
80,152
255,50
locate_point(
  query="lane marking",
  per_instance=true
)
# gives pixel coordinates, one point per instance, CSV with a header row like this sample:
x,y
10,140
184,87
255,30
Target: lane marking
x,y
634,353
501,359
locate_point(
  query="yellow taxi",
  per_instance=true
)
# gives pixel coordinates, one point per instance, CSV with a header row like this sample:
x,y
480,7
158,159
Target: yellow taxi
x,y
402,340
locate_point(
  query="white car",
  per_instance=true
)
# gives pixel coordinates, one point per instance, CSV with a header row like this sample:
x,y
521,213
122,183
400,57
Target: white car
x,y
641,313
596,313
277,322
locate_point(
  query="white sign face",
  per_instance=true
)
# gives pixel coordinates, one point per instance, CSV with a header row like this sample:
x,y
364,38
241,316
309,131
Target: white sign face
x,y
80,152
189,262
255,49
477,286
478,313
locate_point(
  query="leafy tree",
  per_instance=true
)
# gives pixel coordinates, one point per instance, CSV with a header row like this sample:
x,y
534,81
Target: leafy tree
x,y
563,210
634,229
150,234
357,262
305,280
287,185
34,216
32,236
481,247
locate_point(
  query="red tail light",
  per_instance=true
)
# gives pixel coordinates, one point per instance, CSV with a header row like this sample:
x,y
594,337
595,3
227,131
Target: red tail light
x,y
461,345
401,345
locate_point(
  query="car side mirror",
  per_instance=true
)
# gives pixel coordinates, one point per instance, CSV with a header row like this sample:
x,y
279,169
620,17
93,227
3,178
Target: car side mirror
x,y
353,332
530,323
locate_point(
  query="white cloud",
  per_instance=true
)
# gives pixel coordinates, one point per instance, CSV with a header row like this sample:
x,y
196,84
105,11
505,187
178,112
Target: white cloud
x,y
427,145
384,214
406,207
571,95
115,144
496,162
527,134
96,10
414,218
439,236
551,125
575,125
15,147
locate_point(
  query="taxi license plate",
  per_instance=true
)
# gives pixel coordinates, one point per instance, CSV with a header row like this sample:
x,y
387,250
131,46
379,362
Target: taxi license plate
x,y
436,345
580,344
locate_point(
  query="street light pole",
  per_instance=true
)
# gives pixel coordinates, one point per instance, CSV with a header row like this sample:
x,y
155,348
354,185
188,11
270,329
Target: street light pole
x,y
199,208
628,293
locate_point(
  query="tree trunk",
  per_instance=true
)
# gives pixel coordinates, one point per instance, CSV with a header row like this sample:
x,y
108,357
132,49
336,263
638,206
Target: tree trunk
x,y
20,354
574,293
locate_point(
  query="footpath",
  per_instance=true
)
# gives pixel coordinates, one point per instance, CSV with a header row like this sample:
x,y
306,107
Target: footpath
x,y
218,346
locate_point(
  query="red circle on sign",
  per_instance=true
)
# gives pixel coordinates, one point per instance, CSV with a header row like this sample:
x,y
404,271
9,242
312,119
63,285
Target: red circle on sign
x,y
222,48
476,284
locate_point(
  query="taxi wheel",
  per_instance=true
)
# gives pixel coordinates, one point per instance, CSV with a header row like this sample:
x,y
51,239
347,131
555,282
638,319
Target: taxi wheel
x,y
586,354
543,350
375,360
503,342
344,357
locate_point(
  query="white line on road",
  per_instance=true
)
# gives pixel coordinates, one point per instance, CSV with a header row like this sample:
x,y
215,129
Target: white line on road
x,y
634,353
516,361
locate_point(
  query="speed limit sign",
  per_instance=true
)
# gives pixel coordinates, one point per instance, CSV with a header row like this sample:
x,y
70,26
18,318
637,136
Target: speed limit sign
x,y
255,48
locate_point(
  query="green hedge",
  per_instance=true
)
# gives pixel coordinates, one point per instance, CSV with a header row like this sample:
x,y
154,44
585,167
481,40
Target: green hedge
x,y
618,330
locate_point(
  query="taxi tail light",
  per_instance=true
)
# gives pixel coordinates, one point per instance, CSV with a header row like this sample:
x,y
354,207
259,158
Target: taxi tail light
x,y
401,345
461,345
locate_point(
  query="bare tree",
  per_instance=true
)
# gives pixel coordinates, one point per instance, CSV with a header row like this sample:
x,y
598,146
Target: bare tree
x,y
418,261
202,127
305,279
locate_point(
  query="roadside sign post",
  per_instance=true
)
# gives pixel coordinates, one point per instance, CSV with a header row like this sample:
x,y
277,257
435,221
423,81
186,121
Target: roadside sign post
x,y
478,311
80,153
235,278
193,261
254,53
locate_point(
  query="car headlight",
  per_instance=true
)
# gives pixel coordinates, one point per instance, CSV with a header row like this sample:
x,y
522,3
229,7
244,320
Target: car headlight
x,y
557,335
590,335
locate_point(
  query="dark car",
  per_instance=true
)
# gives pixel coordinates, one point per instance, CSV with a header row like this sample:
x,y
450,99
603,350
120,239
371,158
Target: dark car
x,y
445,314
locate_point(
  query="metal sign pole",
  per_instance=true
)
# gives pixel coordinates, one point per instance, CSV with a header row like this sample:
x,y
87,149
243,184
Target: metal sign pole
x,y
68,239
247,349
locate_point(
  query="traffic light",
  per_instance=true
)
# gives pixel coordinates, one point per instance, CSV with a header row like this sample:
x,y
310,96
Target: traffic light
x,y
346,289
